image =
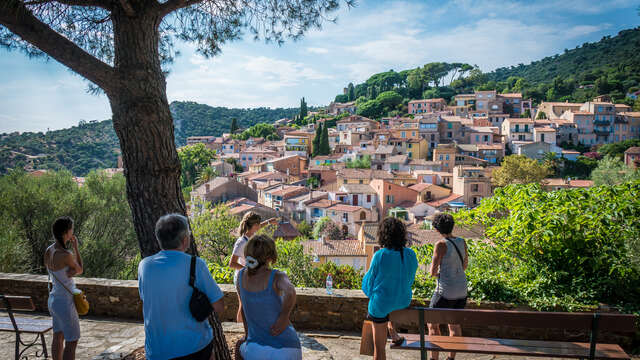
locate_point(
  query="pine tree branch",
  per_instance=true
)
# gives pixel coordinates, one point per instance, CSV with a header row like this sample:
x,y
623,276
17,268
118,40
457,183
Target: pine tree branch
x,y
20,21
97,3
173,5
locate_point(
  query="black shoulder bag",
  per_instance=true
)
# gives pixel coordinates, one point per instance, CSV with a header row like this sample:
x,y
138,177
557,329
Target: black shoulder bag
x,y
199,304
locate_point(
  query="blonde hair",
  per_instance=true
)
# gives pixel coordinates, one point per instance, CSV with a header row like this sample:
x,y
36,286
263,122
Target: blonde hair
x,y
248,220
263,249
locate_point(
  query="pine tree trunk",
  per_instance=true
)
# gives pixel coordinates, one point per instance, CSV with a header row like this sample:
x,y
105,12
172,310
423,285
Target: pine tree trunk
x,y
144,126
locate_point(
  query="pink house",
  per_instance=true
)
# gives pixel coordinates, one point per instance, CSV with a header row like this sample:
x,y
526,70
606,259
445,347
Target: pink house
x,y
426,106
391,195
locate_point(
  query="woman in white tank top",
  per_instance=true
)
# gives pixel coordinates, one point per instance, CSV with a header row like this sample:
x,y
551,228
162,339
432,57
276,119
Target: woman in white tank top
x,y
62,265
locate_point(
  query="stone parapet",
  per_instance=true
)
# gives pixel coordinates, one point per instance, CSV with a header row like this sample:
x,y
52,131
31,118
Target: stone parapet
x,y
345,310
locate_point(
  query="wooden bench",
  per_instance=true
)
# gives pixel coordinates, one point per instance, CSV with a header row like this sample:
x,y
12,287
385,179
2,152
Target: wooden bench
x,y
20,325
591,323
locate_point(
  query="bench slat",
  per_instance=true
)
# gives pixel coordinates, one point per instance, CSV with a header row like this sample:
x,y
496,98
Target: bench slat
x,y
511,347
26,325
23,303
527,319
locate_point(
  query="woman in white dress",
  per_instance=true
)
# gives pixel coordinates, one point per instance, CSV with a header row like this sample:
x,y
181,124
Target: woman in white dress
x,y
62,265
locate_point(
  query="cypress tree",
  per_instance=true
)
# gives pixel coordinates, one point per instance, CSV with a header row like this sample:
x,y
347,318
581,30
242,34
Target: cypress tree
x,y
324,142
316,140
303,109
234,125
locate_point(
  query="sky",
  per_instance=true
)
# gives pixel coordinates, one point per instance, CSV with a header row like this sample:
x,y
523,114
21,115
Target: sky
x,y
374,36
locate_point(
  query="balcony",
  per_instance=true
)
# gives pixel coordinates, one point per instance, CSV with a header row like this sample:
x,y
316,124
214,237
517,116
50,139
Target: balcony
x,y
601,122
599,132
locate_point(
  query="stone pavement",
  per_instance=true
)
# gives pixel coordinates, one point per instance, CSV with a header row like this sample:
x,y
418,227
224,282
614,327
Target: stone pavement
x,y
106,339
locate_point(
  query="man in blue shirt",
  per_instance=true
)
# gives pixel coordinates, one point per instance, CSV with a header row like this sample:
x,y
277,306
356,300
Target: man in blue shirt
x,y
163,280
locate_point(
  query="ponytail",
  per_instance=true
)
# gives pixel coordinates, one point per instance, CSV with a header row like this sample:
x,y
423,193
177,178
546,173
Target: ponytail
x,y
60,227
260,250
248,220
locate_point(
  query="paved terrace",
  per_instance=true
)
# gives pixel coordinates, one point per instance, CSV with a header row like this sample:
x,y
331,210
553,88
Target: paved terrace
x,y
330,325
107,339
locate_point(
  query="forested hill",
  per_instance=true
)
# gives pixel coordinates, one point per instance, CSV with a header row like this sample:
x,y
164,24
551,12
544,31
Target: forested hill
x,y
94,145
588,61
610,66
193,119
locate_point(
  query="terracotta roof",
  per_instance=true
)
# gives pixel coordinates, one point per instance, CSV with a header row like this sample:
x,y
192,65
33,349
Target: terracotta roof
x,y
345,208
322,203
544,129
511,95
423,162
358,189
241,208
417,236
286,230
384,149
490,147
406,204
581,183
427,100
288,190
633,150
437,203
370,233
420,186
397,159
334,248
554,182
570,152
580,112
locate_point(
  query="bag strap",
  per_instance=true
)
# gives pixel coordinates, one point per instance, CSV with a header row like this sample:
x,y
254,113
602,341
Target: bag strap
x,y
192,272
60,282
458,251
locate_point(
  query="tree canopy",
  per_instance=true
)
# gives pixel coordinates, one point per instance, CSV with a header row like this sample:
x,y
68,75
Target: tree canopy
x,y
519,169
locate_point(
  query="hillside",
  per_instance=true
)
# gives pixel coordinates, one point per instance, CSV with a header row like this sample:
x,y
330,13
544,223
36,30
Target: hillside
x,y
94,145
584,63
610,66
193,119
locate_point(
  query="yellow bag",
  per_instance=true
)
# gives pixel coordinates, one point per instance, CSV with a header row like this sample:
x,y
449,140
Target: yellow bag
x,y
79,299
82,305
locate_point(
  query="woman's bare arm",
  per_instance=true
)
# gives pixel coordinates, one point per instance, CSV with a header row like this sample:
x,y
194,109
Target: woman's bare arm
x,y
234,264
439,251
284,286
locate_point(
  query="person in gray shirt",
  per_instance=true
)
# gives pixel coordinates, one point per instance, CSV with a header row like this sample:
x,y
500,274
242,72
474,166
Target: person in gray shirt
x,y
450,260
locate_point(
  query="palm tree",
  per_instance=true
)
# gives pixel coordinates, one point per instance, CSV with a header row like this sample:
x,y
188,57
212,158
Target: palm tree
x,y
207,174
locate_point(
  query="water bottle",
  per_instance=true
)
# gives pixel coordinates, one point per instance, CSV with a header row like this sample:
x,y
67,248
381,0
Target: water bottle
x,y
329,284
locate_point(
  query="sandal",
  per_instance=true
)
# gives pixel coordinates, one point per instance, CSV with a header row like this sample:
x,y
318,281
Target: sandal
x,y
398,342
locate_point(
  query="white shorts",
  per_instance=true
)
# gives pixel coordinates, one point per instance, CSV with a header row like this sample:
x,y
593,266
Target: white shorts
x,y
65,317
254,351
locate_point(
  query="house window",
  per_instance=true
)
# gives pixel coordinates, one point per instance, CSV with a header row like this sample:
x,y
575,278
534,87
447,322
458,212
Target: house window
x,y
360,181
477,138
368,198
449,126
542,137
344,181
449,134
345,217
404,134
363,216
389,199
475,187
447,157
441,157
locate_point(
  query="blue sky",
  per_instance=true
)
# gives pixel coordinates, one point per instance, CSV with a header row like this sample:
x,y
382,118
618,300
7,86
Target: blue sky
x,y
375,36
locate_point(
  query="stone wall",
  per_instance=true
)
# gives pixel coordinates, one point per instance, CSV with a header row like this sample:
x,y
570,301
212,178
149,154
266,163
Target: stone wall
x,y
315,310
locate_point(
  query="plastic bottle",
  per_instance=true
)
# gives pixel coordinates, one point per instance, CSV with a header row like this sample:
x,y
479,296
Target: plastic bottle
x,y
329,284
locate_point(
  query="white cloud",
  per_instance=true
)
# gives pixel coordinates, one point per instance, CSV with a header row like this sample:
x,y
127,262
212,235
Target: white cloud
x,y
317,50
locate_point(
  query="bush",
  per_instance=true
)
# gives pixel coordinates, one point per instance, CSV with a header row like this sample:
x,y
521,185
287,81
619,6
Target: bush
x,y
103,222
566,249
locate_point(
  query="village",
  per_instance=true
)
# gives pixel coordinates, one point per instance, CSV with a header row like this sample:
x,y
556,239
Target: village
x,y
438,158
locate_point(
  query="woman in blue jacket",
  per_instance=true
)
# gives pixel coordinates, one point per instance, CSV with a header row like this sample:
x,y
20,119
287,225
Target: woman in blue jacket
x,y
388,282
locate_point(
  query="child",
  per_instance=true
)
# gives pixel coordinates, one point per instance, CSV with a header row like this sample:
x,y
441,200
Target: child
x,y
249,225
267,297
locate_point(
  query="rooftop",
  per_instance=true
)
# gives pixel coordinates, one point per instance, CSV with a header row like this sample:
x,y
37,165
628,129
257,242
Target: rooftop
x,y
334,248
